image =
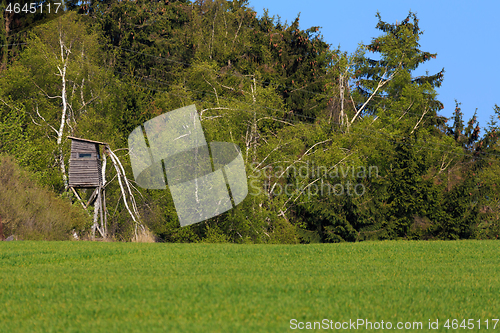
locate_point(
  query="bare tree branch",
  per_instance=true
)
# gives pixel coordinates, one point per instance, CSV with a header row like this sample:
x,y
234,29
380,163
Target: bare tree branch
x,y
313,183
300,158
420,120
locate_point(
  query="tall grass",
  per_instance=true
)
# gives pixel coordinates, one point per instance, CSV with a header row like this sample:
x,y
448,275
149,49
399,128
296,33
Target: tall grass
x,y
32,212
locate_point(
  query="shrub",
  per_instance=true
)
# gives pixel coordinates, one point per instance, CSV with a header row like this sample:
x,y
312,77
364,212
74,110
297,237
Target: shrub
x,y
32,212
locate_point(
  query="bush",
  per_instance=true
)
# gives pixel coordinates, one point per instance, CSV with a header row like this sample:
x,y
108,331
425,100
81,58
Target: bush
x,y
32,212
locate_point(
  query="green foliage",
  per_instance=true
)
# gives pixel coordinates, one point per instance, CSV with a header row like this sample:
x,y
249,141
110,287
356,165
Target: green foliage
x,y
33,212
409,194
15,26
282,96
158,40
215,235
396,93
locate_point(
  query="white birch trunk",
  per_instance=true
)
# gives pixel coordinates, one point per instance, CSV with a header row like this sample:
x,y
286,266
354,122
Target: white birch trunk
x,y
60,133
125,188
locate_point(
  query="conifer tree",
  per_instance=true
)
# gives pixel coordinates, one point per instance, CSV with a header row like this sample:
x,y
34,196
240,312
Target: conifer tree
x,y
385,87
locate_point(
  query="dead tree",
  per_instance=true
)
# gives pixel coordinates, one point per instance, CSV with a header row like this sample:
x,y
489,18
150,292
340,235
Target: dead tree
x,y
87,170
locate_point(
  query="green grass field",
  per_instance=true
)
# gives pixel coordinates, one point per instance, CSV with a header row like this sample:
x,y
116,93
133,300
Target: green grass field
x,y
130,287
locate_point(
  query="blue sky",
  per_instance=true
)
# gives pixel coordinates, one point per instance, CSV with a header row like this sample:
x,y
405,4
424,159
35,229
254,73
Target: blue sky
x,y
465,35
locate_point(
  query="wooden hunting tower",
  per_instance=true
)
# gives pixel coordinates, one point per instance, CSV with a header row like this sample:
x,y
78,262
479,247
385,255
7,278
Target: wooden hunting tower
x,y
85,171
85,163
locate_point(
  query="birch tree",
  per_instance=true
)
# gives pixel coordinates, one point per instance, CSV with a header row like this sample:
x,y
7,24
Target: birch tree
x,y
58,81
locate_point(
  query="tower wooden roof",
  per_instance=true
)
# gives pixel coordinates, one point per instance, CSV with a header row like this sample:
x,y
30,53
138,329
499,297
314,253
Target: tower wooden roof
x,y
86,140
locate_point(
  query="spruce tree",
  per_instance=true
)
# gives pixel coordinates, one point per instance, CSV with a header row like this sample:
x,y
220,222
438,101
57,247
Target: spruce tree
x,y
385,86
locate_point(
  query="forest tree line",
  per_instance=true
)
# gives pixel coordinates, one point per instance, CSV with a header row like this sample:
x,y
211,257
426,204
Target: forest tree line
x,y
337,146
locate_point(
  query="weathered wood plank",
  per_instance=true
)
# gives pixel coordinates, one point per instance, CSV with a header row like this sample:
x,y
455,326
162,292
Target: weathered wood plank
x,y
85,140
85,171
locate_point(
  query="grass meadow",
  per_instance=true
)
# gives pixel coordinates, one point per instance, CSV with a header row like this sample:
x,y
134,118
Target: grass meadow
x,y
132,287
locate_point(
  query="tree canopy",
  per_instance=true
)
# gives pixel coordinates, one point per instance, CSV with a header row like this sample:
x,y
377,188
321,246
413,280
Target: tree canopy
x,y
337,146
